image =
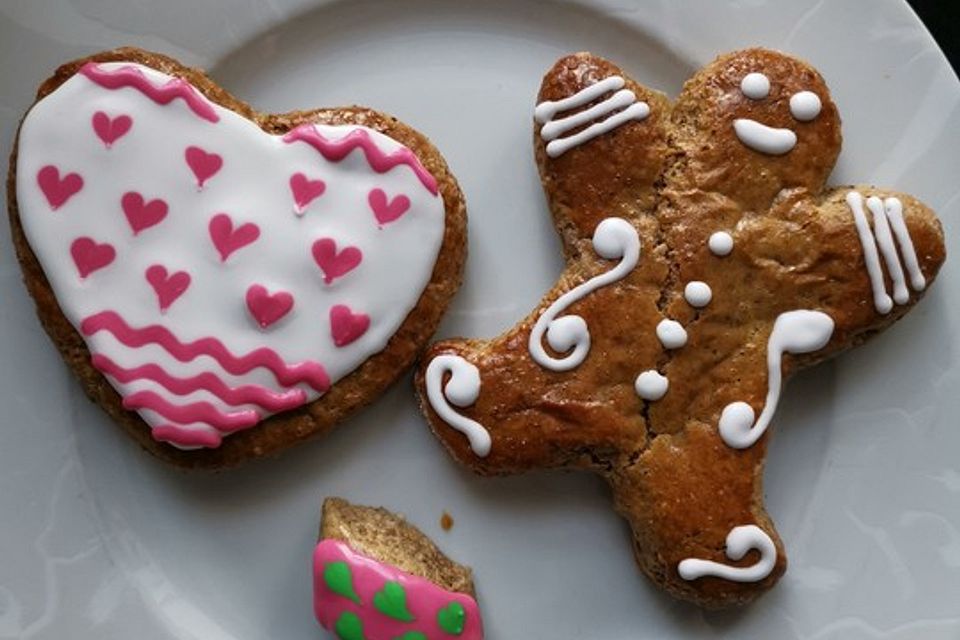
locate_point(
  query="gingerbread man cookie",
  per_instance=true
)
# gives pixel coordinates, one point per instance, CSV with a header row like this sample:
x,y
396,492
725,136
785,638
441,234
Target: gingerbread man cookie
x,y
227,283
705,262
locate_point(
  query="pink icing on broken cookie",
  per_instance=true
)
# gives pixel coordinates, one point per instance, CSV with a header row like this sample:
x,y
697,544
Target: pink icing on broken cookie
x,y
108,129
130,76
424,600
337,150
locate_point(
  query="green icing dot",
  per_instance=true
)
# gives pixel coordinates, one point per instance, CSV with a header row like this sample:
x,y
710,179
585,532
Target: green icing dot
x,y
391,601
349,627
339,579
452,618
411,635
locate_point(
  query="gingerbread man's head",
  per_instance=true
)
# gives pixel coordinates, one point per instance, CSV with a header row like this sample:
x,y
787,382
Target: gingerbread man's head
x,y
705,262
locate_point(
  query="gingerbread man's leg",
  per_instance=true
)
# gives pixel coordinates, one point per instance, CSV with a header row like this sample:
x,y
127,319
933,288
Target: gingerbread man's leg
x,y
558,389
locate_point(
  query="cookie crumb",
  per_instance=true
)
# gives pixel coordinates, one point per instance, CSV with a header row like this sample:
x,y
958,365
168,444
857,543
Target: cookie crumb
x,y
446,521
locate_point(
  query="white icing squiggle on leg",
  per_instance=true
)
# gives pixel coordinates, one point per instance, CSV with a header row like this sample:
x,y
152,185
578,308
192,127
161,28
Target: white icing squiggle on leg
x,y
614,238
740,540
894,209
462,390
881,232
799,331
624,102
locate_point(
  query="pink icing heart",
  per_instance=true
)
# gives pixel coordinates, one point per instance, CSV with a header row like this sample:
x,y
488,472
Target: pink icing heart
x,y
142,215
167,287
227,239
305,190
333,263
111,130
90,255
387,210
204,165
265,307
346,326
58,190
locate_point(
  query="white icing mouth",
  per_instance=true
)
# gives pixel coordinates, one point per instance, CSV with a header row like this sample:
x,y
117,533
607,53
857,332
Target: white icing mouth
x,y
760,137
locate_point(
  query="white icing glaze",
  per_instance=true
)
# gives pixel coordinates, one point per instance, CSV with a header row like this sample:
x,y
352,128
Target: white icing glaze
x,y
671,334
613,239
740,540
799,331
755,86
251,186
462,390
697,294
894,209
651,385
760,137
720,243
805,105
887,217
624,103
884,239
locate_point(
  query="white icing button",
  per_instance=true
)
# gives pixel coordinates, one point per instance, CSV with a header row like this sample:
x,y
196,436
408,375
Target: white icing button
x,y
651,385
755,86
671,334
720,243
805,105
697,294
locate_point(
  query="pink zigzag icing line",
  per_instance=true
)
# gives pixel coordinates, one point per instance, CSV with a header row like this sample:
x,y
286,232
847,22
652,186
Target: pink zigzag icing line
x,y
288,375
133,77
337,150
192,412
206,381
186,437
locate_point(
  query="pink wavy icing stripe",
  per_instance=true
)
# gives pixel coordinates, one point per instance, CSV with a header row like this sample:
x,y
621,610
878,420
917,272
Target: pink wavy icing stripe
x,y
337,150
288,375
192,412
245,394
186,437
133,77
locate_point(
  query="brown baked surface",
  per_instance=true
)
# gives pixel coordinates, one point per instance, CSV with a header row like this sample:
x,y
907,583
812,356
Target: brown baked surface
x,y
349,394
678,176
388,538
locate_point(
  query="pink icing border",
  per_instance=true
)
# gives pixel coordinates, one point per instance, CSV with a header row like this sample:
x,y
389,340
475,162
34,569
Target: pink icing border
x,y
337,150
424,598
133,77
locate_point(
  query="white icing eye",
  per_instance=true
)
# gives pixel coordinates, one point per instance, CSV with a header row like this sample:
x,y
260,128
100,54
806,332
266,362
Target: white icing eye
x,y
755,86
805,105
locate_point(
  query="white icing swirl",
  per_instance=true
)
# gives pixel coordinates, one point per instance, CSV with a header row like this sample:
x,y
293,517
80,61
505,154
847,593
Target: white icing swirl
x,y
462,390
740,540
614,239
799,331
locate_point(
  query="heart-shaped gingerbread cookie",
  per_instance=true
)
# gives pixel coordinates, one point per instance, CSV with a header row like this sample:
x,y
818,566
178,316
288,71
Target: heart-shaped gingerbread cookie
x,y
209,267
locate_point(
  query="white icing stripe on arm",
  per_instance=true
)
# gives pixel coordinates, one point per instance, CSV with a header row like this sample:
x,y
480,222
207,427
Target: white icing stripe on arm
x,y
740,540
894,209
881,300
614,239
881,232
546,110
624,100
799,331
462,389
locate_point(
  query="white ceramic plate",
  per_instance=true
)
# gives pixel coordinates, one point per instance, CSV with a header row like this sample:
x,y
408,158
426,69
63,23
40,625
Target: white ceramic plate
x,y
97,540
